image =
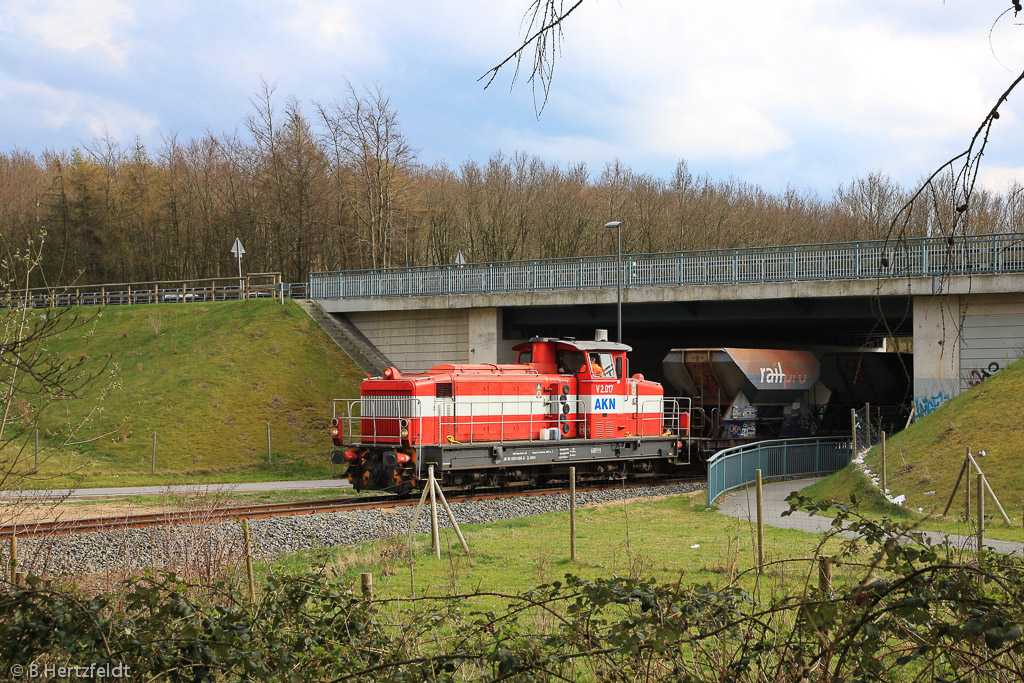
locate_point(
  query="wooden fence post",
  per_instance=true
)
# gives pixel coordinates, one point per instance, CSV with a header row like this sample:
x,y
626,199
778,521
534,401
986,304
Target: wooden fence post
x,y
572,514
451,518
853,429
825,573
152,465
455,523
967,486
367,581
867,424
981,510
885,482
412,528
988,487
248,561
435,533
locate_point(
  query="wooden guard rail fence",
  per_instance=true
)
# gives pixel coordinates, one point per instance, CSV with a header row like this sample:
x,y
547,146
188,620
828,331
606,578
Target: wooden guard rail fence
x,y
251,286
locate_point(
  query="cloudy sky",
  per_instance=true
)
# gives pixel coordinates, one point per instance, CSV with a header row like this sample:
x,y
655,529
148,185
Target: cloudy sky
x,y
790,92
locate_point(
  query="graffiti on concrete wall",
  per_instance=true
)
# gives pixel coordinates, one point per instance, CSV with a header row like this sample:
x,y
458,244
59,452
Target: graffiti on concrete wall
x,y
976,376
927,404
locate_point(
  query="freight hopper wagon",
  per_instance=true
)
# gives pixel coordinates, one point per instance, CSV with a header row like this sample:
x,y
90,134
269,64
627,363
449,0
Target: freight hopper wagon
x,y
563,403
743,395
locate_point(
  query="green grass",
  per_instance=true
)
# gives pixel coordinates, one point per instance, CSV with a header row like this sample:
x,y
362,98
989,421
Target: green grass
x,y
851,481
207,379
922,462
644,538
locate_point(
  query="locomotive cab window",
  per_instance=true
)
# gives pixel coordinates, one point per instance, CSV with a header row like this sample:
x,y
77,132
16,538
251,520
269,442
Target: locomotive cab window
x,y
572,362
525,357
601,365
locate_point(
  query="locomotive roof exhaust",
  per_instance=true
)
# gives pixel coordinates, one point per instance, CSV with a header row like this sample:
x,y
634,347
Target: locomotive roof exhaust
x,y
600,335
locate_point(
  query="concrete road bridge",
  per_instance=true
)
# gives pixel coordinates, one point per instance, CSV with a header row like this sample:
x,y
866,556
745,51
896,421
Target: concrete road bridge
x,y
961,300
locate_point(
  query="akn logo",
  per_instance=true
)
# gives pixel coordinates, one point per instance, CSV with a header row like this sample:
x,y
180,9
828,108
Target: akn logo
x,y
604,404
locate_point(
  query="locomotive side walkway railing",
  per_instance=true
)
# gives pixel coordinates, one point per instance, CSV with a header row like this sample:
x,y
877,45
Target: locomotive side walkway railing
x,y
382,419
736,467
929,256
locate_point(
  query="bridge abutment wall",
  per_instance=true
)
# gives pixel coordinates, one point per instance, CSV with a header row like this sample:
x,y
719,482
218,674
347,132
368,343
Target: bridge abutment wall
x,y
416,340
959,340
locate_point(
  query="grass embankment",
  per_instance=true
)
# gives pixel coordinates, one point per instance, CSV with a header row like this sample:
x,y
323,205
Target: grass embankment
x,y
207,379
642,539
923,461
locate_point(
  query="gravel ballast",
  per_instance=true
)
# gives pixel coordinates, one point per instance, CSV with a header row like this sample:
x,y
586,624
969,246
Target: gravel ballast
x,y
209,544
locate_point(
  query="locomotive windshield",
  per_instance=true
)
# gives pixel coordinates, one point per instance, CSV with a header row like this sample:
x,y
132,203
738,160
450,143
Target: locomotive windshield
x,y
601,365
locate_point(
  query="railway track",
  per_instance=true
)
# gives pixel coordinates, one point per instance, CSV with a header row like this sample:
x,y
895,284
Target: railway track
x,y
262,511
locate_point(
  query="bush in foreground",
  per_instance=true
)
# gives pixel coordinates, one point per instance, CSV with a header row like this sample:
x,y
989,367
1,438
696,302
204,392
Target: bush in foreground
x,y
917,612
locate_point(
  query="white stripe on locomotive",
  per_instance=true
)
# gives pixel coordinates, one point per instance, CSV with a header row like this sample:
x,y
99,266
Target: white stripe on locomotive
x,y
484,406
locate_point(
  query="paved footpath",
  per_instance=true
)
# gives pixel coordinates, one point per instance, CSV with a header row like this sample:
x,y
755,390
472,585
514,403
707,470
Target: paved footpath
x,y
184,489
742,505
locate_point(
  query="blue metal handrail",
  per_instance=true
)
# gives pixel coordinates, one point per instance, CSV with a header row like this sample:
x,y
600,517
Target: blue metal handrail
x,y
736,467
971,255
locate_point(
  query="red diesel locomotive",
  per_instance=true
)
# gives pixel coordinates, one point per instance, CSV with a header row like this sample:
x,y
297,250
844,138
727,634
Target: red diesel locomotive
x,y
563,403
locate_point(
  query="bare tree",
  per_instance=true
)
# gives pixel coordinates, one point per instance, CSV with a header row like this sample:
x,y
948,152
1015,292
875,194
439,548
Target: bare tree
x,y
366,137
542,24
869,204
32,378
441,194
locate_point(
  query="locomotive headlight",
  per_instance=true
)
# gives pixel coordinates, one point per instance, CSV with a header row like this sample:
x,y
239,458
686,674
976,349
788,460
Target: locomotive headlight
x,y
334,432
405,433
335,422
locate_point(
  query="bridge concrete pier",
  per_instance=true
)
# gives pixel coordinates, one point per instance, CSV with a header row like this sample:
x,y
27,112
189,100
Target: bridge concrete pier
x,y
936,351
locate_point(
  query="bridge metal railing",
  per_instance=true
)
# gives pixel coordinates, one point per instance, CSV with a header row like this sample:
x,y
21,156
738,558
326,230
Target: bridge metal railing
x,y
736,467
974,254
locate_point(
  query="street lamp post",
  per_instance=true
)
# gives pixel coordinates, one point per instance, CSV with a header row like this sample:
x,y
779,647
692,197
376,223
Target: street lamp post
x,y
617,225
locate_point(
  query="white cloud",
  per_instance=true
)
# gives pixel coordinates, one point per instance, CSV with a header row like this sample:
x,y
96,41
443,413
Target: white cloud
x,y
712,80
561,149
1001,179
330,27
71,25
28,106
799,91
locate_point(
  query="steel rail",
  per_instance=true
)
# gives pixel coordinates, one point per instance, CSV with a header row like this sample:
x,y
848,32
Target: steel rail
x,y
263,511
